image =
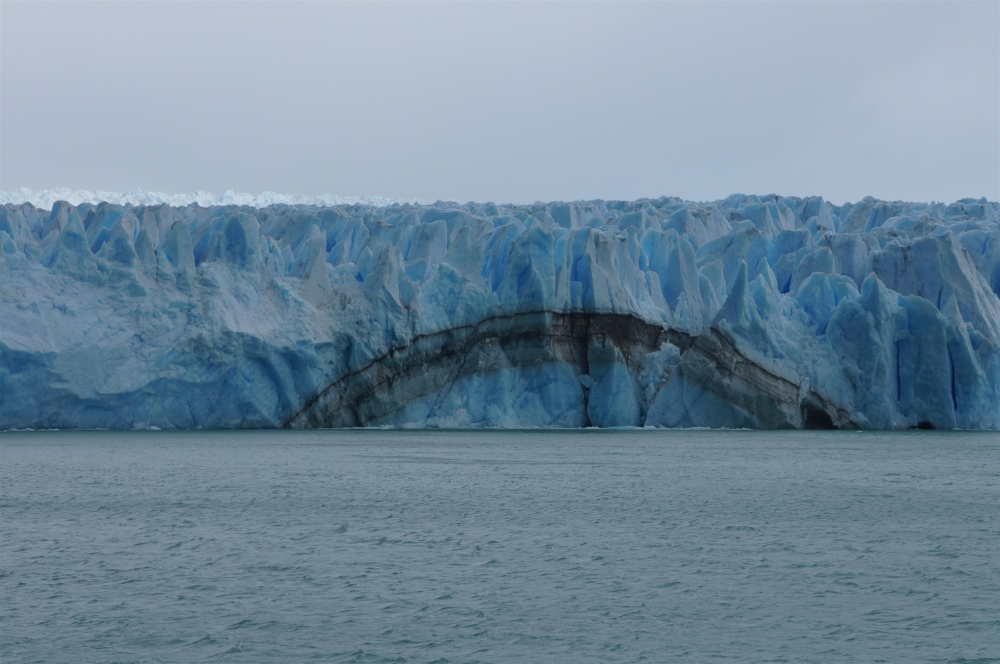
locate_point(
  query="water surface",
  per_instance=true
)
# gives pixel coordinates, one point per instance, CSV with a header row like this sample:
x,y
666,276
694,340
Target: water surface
x,y
499,546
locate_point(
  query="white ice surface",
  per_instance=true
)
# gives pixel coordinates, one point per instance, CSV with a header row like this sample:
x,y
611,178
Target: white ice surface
x,y
46,198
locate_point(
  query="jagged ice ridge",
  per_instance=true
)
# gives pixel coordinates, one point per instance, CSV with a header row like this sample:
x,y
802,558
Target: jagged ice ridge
x,y
46,198
753,311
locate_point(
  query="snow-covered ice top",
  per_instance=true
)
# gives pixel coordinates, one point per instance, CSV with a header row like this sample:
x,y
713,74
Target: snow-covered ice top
x,y
776,311
44,199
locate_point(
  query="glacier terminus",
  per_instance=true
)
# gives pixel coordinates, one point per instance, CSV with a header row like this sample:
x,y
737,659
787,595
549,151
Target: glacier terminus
x,y
752,311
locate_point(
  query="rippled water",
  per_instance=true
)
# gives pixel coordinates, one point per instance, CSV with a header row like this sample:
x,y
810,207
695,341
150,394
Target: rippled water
x,y
499,546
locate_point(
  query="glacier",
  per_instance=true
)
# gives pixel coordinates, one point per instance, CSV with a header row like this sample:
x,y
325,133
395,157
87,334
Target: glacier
x,y
143,311
46,198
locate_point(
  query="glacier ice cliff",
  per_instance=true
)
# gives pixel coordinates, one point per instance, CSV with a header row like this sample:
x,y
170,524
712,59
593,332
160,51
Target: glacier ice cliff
x,y
753,311
46,198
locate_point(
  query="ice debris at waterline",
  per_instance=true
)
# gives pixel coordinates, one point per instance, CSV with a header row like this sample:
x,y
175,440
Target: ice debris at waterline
x,y
753,311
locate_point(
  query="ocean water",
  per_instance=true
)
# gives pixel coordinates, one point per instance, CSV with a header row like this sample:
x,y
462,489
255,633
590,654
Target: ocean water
x,y
499,546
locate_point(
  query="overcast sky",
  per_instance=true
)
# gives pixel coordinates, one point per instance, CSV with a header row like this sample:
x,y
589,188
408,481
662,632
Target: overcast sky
x,y
509,102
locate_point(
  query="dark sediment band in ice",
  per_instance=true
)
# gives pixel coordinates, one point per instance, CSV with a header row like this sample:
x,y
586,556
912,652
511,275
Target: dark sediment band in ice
x,y
753,311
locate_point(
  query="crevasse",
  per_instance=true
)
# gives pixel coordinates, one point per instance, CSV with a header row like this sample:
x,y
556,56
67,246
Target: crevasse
x,y
753,311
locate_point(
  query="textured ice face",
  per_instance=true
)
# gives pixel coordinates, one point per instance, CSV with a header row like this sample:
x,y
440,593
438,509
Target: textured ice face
x,y
747,312
46,198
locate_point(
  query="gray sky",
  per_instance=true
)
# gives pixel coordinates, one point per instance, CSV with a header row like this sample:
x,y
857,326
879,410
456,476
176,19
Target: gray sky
x,y
510,102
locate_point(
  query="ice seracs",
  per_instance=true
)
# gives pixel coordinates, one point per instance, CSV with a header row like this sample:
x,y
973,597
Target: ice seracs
x,y
46,198
752,311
